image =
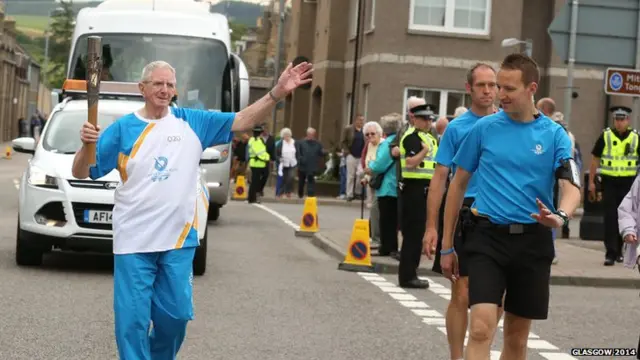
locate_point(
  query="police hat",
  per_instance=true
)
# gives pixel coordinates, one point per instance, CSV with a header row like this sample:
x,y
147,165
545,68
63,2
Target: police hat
x,y
426,111
258,128
620,111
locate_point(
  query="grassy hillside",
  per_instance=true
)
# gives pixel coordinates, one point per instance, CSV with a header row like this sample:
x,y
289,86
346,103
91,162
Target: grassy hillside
x,y
32,14
31,25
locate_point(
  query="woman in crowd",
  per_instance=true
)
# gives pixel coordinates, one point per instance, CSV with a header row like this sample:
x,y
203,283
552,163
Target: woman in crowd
x,y
286,158
373,135
382,173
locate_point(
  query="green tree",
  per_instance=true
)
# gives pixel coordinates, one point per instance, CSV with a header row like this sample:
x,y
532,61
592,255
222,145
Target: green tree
x,y
238,30
61,30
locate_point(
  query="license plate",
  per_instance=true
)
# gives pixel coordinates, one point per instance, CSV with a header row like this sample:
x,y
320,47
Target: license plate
x,y
97,217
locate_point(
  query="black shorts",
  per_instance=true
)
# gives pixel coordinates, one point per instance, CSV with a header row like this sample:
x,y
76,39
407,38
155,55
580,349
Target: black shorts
x,y
459,237
519,264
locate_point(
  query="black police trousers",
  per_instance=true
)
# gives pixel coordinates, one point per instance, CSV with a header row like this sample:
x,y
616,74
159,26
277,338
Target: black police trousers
x,y
258,176
614,189
414,219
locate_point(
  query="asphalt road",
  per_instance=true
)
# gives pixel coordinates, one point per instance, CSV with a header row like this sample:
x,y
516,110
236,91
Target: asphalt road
x,y
266,295
579,316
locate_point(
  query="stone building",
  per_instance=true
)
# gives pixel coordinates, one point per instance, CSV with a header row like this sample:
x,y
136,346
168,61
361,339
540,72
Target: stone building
x,y
413,47
19,82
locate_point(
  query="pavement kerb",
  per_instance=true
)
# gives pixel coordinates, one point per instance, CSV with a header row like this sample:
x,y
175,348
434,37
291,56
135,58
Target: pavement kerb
x,y
319,201
333,250
338,202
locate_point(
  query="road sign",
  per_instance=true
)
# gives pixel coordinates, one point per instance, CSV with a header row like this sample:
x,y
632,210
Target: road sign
x,y
606,36
622,82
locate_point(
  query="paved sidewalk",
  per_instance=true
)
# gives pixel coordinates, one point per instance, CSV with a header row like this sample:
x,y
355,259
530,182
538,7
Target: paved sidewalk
x,y
270,198
578,265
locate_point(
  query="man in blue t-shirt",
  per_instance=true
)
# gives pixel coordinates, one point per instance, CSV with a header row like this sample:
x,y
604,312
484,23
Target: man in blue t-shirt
x,y
517,155
481,86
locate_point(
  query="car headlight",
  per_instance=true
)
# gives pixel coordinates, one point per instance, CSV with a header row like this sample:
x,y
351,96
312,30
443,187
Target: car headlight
x,y
38,177
224,152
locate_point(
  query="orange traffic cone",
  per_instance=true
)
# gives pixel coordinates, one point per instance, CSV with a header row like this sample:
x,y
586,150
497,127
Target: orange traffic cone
x,y
240,189
7,153
309,222
358,257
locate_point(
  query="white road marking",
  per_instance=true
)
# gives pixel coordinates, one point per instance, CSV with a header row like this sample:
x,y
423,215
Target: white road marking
x,y
279,216
435,321
414,304
433,317
392,289
382,284
427,313
403,297
16,183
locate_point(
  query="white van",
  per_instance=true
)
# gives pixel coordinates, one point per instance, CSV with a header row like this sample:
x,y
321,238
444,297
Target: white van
x,y
196,42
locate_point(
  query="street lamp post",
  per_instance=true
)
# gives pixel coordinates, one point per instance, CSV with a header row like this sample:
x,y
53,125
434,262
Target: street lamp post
x,y
513,42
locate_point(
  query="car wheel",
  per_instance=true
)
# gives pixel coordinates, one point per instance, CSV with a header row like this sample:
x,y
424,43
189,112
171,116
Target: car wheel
x,y
214,212
25,255
200,258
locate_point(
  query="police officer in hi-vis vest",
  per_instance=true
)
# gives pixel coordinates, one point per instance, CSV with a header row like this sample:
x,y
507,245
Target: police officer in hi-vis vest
x,y
417,161
616,153
258,160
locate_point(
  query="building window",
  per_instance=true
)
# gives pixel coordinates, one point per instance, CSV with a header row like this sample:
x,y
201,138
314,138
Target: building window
x,y
353,12
446,101
454,16
368,17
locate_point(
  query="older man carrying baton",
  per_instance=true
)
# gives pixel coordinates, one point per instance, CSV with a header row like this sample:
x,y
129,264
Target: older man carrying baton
x,y
154,218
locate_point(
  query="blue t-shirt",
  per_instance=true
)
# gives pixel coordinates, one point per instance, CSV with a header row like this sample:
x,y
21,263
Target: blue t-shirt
x,y
451,141
515,163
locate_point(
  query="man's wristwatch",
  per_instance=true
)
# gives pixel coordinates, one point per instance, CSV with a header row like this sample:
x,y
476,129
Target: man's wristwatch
x,y
564,216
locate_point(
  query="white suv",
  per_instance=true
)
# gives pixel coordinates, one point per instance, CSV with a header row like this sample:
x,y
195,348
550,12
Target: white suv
x,y
58,211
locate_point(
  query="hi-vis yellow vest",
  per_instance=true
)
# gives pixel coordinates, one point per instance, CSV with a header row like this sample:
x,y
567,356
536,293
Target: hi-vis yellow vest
x,y
426,168
258,155
619,157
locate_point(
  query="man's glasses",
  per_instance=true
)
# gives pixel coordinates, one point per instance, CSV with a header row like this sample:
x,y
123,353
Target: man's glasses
x,y
161,84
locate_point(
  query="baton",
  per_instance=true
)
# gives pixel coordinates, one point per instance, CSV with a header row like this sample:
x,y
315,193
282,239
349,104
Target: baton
x,y
94,72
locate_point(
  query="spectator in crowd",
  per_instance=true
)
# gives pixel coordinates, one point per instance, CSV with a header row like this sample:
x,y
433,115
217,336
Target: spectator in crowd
x,y
546,106
381,168
23,128
286,160
459,111
309,155
239,162
352,145
441,126
343,177
373,134
270,142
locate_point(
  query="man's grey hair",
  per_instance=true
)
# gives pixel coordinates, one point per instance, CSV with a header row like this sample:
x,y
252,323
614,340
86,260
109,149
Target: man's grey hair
x,y
459,111
372,124
311,130
150,67
285,131
391,123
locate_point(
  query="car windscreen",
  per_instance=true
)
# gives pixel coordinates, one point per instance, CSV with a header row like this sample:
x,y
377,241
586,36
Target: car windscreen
x,y
63,131
200,64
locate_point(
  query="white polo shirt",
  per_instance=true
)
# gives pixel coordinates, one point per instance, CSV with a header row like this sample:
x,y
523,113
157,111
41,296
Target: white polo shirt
x,y
158,161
